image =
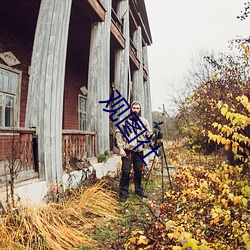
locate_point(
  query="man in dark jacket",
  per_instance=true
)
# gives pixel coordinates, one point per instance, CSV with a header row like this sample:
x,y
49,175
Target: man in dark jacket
x,y
132,152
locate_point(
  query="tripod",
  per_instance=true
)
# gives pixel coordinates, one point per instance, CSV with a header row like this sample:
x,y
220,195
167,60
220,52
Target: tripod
x,y
158,141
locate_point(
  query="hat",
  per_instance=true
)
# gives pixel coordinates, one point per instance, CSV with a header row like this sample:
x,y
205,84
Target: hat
x,y
135,102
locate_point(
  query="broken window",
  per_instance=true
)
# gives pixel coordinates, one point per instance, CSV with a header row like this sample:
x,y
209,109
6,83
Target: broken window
x,y
9,97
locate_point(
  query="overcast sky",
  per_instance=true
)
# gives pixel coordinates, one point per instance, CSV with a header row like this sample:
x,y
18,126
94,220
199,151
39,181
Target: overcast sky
x,y
181,28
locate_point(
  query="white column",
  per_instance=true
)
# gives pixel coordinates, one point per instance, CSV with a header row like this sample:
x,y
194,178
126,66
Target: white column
x,y
45,95
148,106
138,74
122,71
99,79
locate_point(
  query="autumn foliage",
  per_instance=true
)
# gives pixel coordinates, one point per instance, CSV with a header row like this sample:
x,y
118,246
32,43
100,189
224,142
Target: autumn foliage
x,y
235,134
209,205
208,208
223,78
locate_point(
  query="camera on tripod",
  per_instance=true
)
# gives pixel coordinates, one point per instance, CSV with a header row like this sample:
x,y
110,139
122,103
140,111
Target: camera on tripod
x,y
157,137
158,133
157,125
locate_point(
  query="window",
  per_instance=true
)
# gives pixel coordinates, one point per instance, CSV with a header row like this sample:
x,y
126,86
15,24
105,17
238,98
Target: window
x,y
9,97
82,103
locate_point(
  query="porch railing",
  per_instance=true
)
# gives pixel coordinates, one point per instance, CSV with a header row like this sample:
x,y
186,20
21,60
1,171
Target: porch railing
x,y
78,145
18,149
116,20
17,152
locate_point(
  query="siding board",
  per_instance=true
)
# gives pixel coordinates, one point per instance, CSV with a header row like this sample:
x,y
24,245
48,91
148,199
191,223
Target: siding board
x,y
47,80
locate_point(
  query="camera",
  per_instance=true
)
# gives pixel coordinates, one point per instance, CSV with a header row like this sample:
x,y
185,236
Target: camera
x,y
158,133
157,125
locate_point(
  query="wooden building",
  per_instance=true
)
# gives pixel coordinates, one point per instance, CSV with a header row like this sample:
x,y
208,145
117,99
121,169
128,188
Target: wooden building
x,y
58,59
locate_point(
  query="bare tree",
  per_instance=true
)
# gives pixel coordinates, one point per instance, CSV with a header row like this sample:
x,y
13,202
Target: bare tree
x,y
245,12
12,167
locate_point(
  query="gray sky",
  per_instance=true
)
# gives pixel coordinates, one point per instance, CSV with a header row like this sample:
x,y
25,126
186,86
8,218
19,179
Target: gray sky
x,y
180,29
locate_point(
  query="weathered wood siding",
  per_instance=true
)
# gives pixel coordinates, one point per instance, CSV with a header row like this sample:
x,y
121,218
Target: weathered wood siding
x,y
148,107
121,67
45,97
99,79
138,89
49,100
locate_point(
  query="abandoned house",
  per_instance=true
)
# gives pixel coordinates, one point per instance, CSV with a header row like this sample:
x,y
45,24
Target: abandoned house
x,y
58,59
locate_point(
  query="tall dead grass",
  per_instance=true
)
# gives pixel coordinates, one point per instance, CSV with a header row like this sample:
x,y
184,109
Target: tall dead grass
x,y
62,225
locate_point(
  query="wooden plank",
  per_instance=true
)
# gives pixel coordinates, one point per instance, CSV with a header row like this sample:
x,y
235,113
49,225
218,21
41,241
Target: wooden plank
x,y
21,177
17,130
98,8
118,37
77,132
44,58
65,20
133,21
122,64
135,61
92,9
99,75
47,81
138,74
144,30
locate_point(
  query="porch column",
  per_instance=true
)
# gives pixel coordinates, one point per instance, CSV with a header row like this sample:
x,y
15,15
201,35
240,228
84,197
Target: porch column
x,y
98,79
148,107
45,95
138,74
122,74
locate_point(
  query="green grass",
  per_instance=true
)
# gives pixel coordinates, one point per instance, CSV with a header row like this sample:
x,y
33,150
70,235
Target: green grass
x,y
136,216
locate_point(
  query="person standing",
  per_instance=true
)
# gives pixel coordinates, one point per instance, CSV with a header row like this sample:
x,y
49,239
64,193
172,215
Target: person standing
x,y
132,153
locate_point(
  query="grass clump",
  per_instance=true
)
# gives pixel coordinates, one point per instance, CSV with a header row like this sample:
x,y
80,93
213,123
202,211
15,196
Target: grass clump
x,y
62,225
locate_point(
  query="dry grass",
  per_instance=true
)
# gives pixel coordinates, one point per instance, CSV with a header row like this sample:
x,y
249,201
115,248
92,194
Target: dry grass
x,y
62,225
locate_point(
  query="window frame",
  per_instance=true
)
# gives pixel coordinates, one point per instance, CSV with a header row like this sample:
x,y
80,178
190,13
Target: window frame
x,y
79,111
17,96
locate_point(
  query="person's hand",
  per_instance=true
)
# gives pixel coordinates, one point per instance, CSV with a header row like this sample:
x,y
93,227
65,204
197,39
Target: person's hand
x,y
122,152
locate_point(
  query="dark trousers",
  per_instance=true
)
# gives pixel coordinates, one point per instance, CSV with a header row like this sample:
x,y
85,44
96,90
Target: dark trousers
x,y
127,161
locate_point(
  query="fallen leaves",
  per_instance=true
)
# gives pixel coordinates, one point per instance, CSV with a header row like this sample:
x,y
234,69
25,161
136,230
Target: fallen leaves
x,y
208,208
